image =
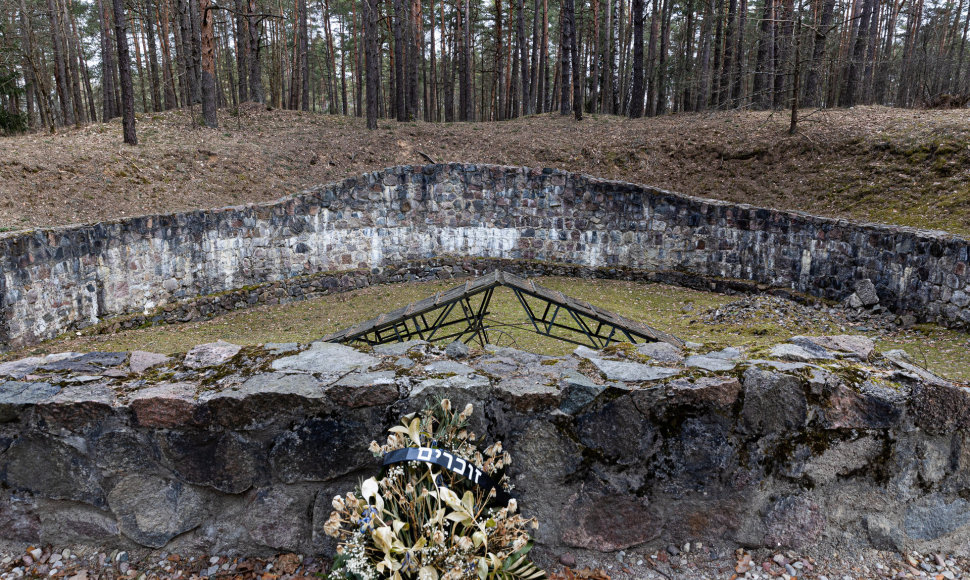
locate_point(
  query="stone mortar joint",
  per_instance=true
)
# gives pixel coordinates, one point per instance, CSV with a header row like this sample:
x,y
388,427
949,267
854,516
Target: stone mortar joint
x,y
342,235
817,442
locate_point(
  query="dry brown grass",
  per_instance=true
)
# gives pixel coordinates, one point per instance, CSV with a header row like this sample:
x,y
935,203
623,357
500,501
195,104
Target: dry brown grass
x,y
901,166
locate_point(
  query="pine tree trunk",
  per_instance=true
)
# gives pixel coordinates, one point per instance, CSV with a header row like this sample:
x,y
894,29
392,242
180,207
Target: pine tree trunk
x,y
385,93
141,73
796,76
450,69
292,100
522,61
359,62
883,66
332,62
255,68
413,60
74,64
662,57
595,56
60,69
958,81
275,44
857,61
422,99
636,94
608,80
531,106
433,88
523,58
782,52
704,56
29,95
761,92
124,67
569,62
209,104
624,30
304,59
554,96
461,61
737,91
542,93
88,90
469,112
724,85
242,50
714,83
168,78
181,55
813,93
108,110
195,22
511,77
228,86
869,72
343,74
574,60
373,82
189,78
499,63
30,69
152,55
688,87
564,53
651,72
400,92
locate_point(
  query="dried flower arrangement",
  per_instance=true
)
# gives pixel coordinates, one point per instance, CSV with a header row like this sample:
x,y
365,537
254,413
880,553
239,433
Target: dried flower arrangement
x,y
428,519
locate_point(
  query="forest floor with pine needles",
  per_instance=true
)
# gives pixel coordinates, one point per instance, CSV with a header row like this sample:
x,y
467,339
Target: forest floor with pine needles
x,y
903,166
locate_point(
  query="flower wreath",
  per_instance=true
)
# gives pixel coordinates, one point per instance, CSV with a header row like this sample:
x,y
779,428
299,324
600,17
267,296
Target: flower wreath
x,y
440,511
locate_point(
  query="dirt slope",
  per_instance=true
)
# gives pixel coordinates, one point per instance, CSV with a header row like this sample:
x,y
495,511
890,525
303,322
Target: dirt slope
x,y
892,165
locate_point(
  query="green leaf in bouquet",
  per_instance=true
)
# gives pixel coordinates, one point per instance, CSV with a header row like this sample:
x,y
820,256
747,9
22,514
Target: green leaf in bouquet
x,y
518,567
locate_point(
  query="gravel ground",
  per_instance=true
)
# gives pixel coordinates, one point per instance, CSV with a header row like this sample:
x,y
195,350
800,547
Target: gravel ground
x,y
698,562
687,562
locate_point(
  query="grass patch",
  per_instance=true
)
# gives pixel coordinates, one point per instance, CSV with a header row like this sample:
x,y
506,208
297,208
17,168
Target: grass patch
x,y
690,314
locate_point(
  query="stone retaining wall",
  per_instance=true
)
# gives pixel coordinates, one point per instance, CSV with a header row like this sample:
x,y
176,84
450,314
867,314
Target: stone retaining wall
x,y
816,443
444,268
70,277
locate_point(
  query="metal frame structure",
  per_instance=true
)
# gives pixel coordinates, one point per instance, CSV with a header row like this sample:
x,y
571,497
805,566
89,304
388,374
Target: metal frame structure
x,y
460,314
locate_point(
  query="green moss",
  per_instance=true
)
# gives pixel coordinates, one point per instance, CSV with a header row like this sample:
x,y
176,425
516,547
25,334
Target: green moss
x,y
625,350
591,371
242,364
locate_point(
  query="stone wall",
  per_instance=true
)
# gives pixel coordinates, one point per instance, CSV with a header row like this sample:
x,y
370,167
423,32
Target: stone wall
x,y
70,277
815,443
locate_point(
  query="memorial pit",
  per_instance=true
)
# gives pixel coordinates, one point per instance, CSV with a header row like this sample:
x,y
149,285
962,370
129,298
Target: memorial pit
x,y
779,425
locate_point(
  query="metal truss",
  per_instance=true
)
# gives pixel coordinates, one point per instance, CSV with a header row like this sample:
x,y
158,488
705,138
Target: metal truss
x,y
461,314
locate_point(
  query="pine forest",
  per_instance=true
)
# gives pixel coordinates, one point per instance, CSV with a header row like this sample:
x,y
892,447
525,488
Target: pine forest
x,y
72,62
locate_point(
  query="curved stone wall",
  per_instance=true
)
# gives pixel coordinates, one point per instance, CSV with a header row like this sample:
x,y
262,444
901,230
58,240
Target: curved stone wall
x,y
228,450
65,278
